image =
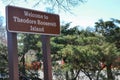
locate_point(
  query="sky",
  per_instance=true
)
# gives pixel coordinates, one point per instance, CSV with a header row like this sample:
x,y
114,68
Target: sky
x,y
84,15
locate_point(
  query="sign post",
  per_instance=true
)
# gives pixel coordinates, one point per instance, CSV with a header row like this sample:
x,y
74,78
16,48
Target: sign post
x,y
46,57
12,56
35,22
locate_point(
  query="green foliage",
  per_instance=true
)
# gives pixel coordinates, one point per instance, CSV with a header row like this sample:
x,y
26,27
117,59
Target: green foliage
x,y
81,50
84,51
110,30
3,59
28,42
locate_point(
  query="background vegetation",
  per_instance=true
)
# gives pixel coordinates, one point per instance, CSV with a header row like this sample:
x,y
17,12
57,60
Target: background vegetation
x,y
94,52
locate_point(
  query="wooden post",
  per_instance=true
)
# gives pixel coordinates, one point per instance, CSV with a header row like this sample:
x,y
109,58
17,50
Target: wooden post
x,y
46,57
12,56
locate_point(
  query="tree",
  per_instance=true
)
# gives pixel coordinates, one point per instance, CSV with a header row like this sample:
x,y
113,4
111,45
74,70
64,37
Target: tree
x,y
109,30
29,42
3,50
84,51
75,48
4,60
116,33
63,43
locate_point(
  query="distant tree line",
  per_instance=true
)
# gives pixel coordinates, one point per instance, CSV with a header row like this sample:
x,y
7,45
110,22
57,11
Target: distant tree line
x,y
89,51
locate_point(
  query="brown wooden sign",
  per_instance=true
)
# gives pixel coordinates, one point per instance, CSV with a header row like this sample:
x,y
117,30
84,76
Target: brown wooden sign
x,y
31,21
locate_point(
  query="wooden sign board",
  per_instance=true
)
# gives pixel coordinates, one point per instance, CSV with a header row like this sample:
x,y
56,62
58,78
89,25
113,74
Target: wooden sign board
x,y
31,21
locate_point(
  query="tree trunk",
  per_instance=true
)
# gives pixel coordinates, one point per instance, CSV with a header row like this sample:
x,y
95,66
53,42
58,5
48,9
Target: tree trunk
x,y
109,72
72,73
87,74
98,75
67,76
23,64
77,73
